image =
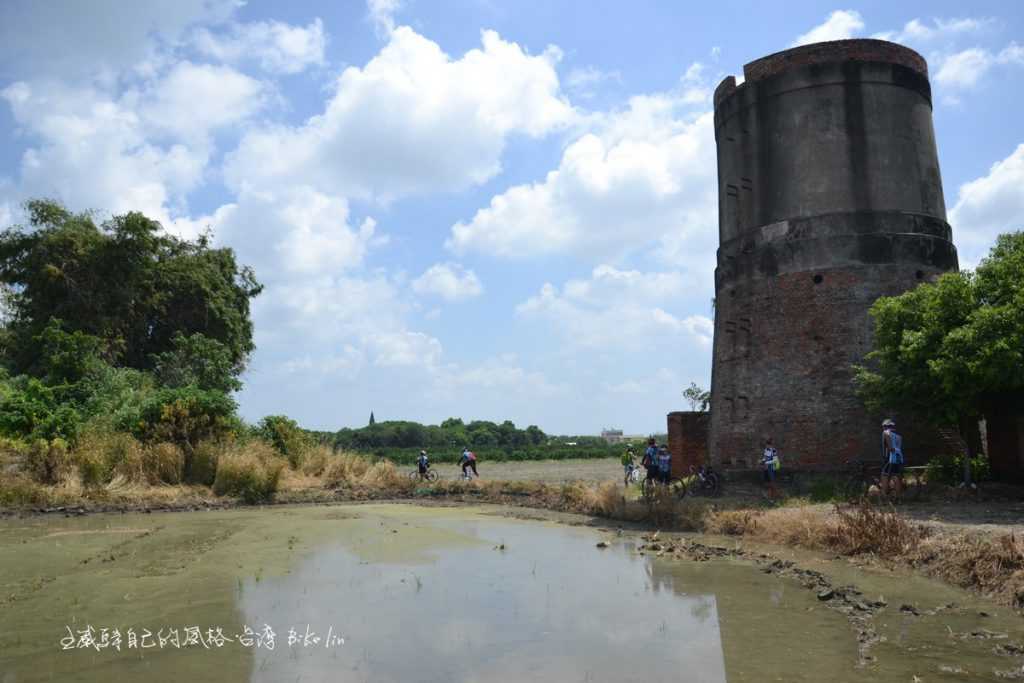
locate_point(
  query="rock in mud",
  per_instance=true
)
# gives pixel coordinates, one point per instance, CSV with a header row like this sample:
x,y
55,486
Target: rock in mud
x,y
602,544
826,594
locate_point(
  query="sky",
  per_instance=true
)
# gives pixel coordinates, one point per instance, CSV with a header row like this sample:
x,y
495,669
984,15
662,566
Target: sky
x,y
472,208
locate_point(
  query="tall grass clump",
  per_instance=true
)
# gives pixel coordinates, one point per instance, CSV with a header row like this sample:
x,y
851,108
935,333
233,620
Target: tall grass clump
x,y
315,460
866,529
18,489
250,472
47,461
164,463
205,457
345,469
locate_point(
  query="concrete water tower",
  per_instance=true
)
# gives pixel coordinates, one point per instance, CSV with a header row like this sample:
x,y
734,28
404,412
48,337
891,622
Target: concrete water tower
x,y
829,197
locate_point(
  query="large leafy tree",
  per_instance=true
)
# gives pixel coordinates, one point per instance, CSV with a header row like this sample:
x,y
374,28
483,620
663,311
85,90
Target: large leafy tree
x,y
944,348
126,282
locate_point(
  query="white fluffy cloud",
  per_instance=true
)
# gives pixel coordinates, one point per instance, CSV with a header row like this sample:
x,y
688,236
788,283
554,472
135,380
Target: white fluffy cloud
x,y
619,309
276,46
916,31
294,230
963,70
194,100
839,25
646,176
411,120
382,14
450,281
988,206
144,149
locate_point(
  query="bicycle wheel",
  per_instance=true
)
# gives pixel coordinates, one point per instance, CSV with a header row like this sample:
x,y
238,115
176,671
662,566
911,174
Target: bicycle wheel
x,y
647,485
913,487
713,485
431,475
678,487
414,475
856,488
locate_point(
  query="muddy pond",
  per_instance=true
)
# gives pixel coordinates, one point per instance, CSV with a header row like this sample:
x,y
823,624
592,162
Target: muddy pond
x,y
405,593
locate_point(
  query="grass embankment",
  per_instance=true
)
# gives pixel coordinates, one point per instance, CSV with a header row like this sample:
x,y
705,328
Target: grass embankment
x,y
990,565
116,472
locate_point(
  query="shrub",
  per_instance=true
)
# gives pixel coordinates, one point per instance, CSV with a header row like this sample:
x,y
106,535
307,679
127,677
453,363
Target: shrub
x,y
164,463
183,416
285,435
731,522
205,457
825,491
345,469
48,461
949,470
20,490
315,461
100,456
250,473
866,529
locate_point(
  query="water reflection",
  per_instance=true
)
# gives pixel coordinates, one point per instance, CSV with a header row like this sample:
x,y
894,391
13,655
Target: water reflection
x,y
549,606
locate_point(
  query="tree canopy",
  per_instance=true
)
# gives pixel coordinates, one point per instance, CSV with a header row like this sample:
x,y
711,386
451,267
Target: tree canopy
x,y
125,282
944,347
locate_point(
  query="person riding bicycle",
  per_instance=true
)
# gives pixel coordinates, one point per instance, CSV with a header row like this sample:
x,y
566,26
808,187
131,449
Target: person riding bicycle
x,y
423,462
769,466
650,459
468,461
664,464
892,465
628,462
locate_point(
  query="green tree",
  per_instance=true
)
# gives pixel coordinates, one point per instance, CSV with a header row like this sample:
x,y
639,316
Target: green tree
x,y
285,435
943,348
198,360
125,282
535,436
697,397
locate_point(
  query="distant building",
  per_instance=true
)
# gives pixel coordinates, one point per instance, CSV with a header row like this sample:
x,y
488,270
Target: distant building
x,y
612,435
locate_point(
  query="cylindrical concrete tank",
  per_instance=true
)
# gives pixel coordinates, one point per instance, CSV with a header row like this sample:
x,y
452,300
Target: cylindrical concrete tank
x,y
829,197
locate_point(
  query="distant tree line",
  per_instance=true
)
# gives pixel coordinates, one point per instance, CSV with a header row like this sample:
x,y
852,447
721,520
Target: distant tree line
x,y
452,433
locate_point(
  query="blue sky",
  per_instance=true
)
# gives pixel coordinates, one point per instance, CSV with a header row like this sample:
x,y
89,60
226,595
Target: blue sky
x,y
464,208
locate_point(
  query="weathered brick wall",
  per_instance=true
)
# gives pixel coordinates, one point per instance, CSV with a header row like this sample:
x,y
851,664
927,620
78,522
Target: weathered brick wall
x,y
860,50
687,440
785,371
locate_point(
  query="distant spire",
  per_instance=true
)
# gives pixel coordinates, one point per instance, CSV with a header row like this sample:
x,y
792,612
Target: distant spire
x,y
372,421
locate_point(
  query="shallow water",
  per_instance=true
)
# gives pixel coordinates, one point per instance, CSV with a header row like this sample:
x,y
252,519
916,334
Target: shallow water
x,y
401,593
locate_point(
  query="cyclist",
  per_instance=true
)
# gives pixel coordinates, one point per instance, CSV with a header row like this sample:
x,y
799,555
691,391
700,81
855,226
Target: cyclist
x,y
468,461
628,463
769,463
664,464
892,466
650,459
423,462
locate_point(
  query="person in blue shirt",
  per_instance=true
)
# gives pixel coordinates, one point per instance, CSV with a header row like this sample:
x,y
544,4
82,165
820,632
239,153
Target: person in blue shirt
x,y
468,461
664,464
423,462
650,460
892,464
768,457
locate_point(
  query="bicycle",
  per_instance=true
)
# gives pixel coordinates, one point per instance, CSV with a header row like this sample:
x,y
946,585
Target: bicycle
x,y
863,476
633,476
429,475
704,481
677,487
